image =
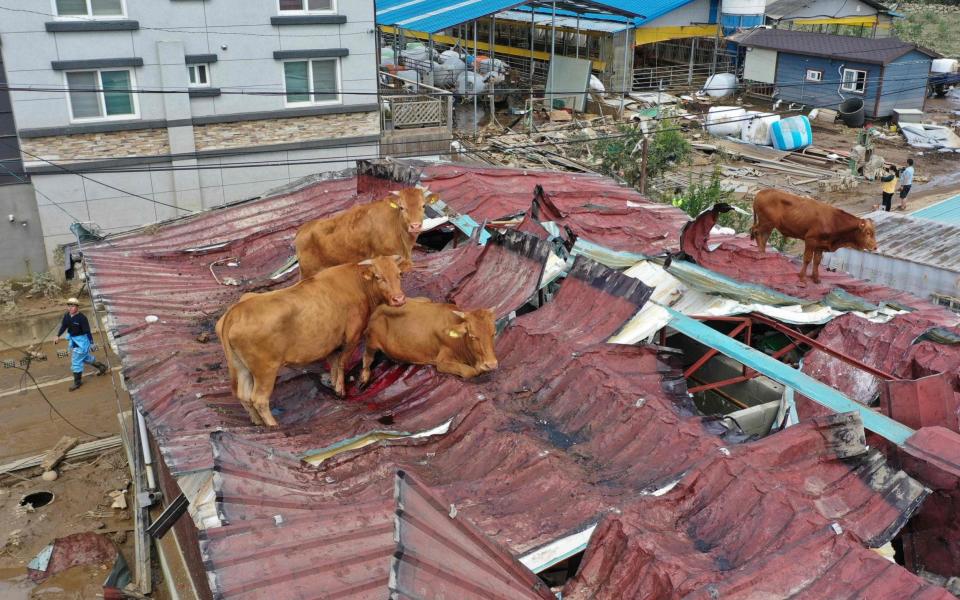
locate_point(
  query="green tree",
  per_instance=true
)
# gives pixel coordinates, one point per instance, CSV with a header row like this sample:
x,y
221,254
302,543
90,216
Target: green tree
x,y
621,156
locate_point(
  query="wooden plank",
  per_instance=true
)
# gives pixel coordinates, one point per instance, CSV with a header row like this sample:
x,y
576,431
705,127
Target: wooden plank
x,y
82,451
53,456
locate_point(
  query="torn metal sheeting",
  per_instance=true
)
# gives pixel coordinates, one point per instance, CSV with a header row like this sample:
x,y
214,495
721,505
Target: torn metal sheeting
x,y
518,438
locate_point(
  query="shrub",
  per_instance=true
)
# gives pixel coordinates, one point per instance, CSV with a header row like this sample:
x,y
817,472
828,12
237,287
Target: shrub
x,y
621,157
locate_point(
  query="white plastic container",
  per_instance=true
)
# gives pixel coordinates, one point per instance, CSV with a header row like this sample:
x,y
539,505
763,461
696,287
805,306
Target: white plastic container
x,y
725,120
757,130
720,85
943,65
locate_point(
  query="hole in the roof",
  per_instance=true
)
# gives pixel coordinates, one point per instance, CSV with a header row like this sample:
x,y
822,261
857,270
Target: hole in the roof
x,y
386,420
37,499
721,387
556,576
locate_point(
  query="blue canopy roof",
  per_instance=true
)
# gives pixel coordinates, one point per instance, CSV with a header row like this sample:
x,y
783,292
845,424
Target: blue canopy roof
x,y
431,16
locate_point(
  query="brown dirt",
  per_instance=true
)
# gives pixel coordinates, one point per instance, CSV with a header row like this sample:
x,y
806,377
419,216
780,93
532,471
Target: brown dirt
x,y
28,425
80,504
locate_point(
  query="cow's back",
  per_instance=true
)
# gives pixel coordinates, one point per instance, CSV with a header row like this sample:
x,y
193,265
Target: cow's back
x,y
291,323
411,332
792,215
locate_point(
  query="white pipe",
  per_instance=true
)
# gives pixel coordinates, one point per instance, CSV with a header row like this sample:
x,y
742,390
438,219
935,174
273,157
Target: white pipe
x,y
147,457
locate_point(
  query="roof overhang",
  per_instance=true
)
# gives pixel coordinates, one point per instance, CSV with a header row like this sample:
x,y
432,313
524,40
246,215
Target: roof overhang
x,y
431,16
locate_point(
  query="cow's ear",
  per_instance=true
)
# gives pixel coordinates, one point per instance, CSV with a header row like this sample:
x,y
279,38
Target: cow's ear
x,y
453,333
463,316
431,198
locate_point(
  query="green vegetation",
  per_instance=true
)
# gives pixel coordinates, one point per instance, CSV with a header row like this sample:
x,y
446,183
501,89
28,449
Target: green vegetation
x,y
621,157
933,25
701,195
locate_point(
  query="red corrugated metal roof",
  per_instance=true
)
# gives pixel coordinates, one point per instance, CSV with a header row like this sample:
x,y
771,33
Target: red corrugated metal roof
x,y
568,428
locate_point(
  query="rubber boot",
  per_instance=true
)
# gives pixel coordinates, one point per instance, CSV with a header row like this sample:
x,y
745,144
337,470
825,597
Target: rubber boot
x,y
76,382
101,368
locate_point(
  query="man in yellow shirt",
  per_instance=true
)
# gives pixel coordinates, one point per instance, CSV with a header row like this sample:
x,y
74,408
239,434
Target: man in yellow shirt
x,y
889,187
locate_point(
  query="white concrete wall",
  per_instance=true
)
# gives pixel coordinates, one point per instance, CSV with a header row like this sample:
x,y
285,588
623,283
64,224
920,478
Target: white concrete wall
x,y
241,35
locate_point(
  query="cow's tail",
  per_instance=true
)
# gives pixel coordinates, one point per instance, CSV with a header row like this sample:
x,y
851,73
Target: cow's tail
x,y
241,379
753,228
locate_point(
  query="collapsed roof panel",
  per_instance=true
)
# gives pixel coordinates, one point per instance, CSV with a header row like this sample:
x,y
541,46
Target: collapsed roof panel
x,y
568,429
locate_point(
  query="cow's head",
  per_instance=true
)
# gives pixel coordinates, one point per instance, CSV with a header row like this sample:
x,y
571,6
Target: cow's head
x,y
409,203
867,235
477,329
383,274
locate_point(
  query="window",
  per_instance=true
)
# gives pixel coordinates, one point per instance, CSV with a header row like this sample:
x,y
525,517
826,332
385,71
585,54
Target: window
x,y
312,81
854,81
89,8
307,6
199,75
814,75
101,94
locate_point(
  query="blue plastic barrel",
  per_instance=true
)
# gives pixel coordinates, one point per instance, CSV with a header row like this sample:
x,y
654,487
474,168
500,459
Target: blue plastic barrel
x,y
791,133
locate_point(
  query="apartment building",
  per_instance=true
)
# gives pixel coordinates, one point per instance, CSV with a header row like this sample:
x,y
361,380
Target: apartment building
x,y
133,111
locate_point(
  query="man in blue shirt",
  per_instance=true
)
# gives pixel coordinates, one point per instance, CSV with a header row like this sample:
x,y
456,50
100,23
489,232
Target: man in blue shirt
x,y
80,338
906,181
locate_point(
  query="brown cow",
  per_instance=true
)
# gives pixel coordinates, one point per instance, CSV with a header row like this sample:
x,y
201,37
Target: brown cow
x,y
383,228
823,228
323,316
426,333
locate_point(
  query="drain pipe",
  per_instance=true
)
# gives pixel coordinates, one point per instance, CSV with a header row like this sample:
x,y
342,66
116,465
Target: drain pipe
x,y
145,446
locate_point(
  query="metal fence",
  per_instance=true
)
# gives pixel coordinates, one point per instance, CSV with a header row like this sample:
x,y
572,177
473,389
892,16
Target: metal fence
x,y
412,105
673,67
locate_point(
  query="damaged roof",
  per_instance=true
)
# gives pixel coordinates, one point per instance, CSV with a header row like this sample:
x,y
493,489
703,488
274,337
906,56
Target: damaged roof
x,y
569,432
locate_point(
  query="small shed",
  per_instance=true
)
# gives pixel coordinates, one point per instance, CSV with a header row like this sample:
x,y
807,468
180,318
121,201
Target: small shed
x,y
823,70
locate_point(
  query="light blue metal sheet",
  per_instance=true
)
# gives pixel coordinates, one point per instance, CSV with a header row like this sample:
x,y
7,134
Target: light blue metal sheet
x,y
811,388
431,16
464,223
946,211
615,259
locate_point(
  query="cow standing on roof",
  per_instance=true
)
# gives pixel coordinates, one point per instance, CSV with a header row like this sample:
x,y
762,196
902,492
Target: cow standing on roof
x,y
383,228
822,228
422,332
323,316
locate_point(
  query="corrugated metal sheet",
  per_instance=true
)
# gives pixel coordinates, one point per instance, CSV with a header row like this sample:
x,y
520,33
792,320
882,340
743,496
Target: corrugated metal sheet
x,y
915,255
946,211
917,239
432,16
542,18
568,429
441,555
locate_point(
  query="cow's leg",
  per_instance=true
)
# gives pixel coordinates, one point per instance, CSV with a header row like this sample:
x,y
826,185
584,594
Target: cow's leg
x,y
369,353
334,361
244,391
262,389
807,257
817,256
447,364
348,349
762,235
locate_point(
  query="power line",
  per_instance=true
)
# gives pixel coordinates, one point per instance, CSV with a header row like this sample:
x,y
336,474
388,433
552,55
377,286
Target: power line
x,y
245,90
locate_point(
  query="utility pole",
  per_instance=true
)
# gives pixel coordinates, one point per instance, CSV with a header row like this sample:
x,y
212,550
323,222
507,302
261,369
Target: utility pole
x,y
643,165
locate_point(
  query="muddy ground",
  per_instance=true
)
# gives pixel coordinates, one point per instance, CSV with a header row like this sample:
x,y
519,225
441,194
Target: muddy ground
x,y
80,503
28,423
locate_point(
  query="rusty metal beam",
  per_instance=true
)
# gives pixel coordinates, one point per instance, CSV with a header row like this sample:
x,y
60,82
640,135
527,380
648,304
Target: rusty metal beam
x,y
712,352
822,347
